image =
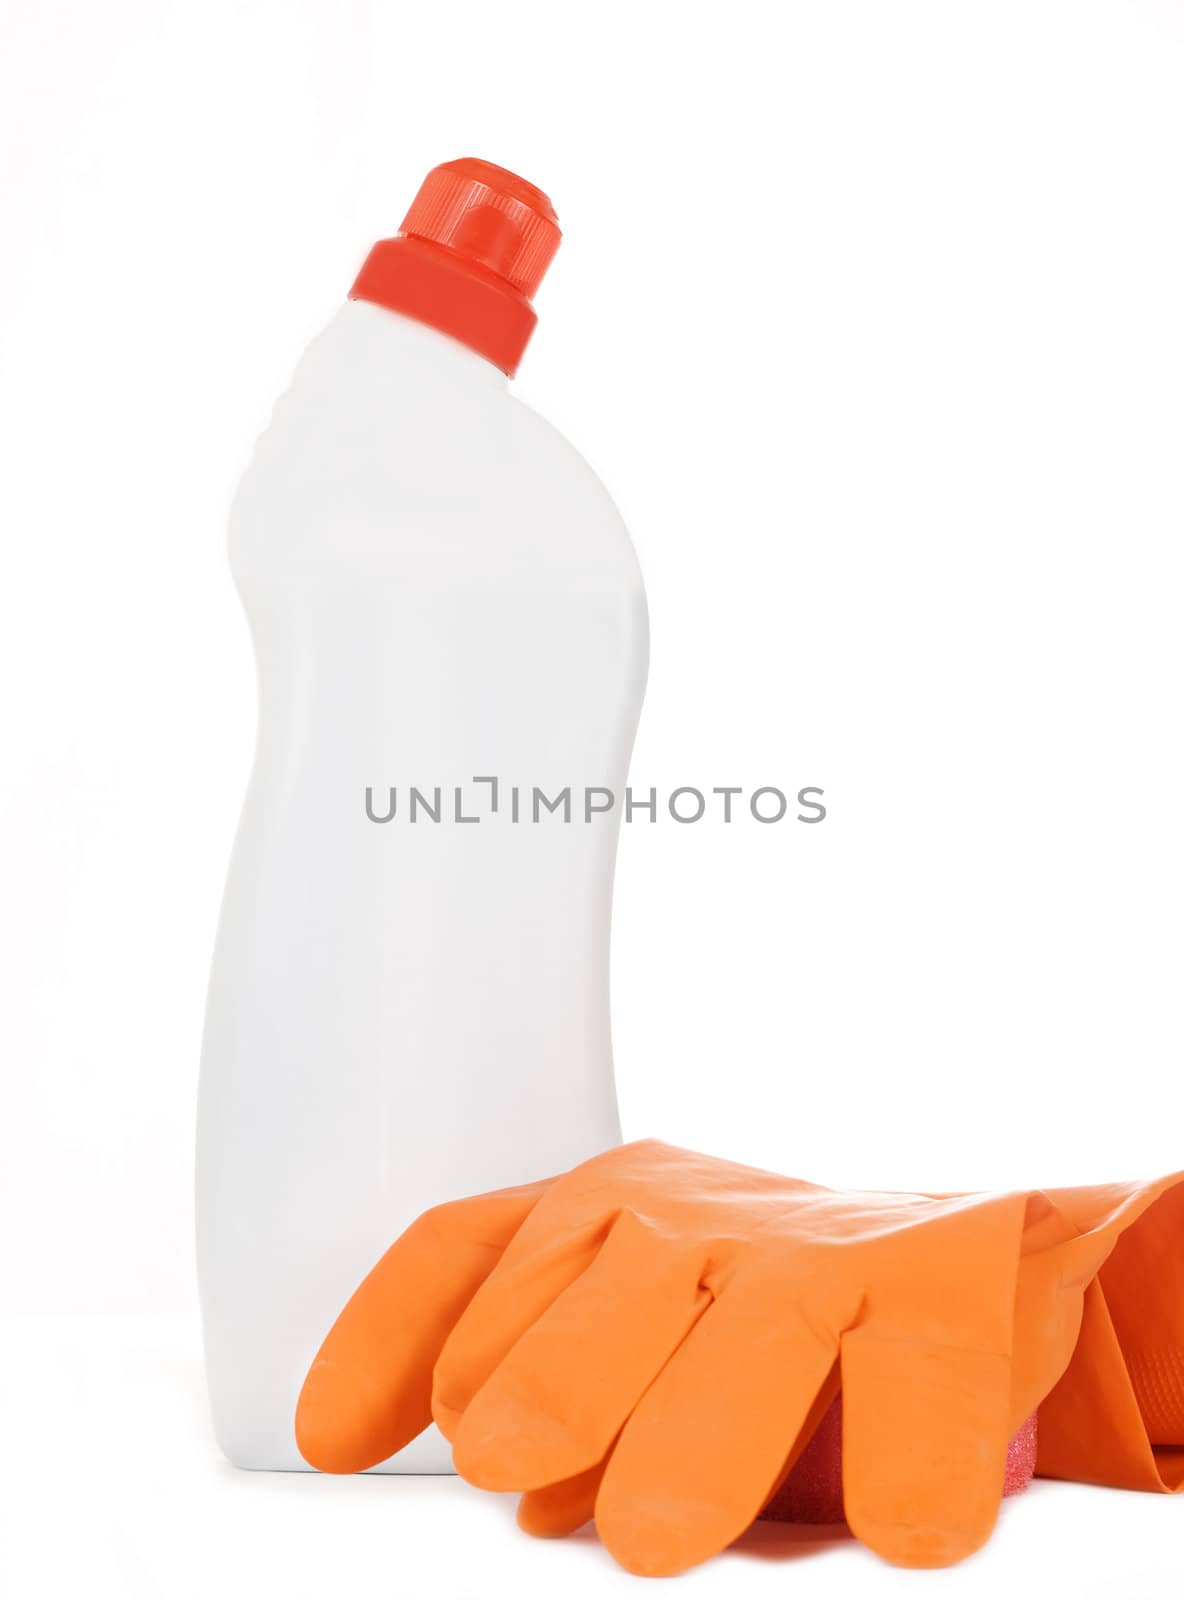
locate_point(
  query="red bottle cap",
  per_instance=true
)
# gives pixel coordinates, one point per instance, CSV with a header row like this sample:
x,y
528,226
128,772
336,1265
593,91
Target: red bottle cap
x,y
469,256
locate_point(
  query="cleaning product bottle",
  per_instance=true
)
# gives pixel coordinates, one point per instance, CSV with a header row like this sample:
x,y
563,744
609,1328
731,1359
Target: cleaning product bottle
x,y
409,996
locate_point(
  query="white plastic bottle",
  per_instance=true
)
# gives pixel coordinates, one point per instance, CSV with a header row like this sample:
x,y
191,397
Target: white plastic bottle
x,y
439,592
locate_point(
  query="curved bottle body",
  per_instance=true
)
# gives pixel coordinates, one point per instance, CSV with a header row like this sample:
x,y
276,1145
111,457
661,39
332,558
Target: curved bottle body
x,y
404,1010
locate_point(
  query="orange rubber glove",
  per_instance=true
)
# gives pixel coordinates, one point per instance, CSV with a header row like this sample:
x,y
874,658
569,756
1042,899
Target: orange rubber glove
x,y
655,1335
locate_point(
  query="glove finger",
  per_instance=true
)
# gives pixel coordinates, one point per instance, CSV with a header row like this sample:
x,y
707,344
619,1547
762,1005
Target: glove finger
x,y
554,1405
926,1379
561,1508
714,1433
368,1392
506,1304
924,1446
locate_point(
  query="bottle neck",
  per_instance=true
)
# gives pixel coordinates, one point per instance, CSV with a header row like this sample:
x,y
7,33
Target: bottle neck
x,y
386,340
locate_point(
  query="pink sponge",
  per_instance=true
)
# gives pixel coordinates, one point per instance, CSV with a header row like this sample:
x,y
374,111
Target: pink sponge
x,y
813,1491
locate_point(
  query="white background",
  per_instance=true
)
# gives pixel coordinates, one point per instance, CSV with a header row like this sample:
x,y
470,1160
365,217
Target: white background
x,y
871,318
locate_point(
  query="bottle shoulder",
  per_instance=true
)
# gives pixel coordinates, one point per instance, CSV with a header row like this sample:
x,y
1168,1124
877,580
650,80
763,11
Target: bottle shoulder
x,y
389,424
